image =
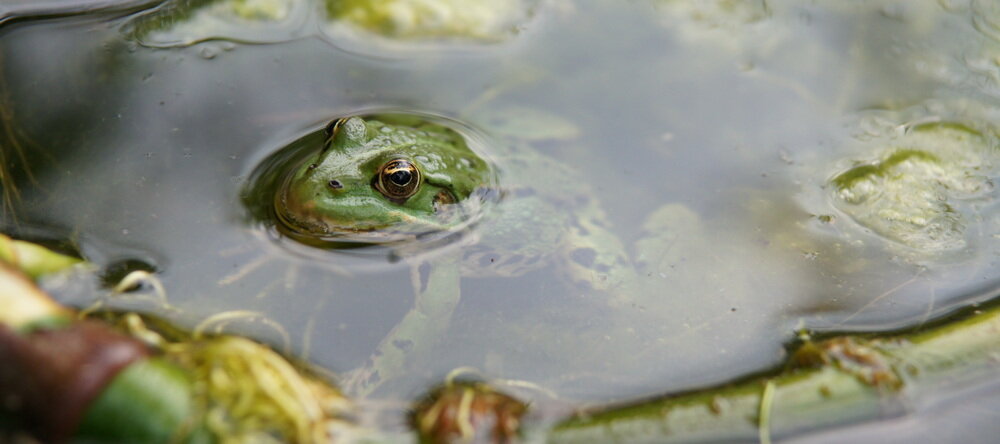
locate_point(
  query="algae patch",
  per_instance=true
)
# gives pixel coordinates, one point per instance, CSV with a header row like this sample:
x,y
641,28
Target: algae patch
x,y
914,191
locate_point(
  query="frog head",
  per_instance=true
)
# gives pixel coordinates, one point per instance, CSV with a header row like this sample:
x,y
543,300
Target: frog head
x,y
378,178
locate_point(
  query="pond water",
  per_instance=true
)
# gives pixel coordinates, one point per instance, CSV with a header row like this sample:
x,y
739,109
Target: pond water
x,y
734,116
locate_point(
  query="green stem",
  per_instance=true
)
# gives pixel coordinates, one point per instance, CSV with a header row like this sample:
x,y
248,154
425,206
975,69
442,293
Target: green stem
x,y
840,380
23,303
34,260
150,401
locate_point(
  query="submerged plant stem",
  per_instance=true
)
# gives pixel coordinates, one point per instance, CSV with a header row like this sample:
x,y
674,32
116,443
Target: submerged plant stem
x,y
836,381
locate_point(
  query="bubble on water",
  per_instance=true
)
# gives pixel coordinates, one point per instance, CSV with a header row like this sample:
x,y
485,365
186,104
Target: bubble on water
x,y
207,52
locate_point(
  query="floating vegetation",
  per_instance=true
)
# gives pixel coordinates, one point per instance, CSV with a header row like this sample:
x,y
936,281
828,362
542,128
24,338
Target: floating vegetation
x,y
483,20
719,13
465,412
33,259
251,393
912,193
186,22
142,384
827,382
726,22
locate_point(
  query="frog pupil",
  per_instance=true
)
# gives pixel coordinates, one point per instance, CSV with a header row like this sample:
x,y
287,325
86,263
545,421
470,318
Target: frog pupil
x,y
401,177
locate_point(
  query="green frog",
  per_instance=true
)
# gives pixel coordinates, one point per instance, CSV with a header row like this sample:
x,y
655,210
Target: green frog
x,y
378,182
399,179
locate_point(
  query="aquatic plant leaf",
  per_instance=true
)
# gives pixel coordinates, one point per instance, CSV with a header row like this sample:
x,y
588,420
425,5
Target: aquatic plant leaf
x,y
910,193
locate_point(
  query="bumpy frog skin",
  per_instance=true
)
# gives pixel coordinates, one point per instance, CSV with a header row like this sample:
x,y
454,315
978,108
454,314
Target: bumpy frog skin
x,y
381,182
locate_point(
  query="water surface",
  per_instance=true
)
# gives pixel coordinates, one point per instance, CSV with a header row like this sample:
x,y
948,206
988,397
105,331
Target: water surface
x,y
740,115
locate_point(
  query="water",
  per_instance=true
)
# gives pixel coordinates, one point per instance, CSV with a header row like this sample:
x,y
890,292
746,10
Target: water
x,y
738,115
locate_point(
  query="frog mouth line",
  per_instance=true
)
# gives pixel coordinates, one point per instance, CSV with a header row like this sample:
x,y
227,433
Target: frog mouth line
x,y
323,235
316,230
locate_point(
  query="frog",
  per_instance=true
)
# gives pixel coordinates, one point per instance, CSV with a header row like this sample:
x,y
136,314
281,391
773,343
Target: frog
x,y
399,180
378,182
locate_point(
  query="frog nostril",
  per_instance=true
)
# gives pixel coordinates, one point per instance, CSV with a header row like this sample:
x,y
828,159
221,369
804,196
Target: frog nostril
x,y
335,184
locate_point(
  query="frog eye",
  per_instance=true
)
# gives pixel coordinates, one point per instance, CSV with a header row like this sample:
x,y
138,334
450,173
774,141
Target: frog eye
x,y
398,179
333,127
